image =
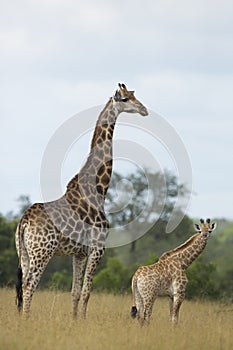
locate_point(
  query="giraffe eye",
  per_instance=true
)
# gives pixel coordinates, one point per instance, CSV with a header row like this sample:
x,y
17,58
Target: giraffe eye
x,y
124,99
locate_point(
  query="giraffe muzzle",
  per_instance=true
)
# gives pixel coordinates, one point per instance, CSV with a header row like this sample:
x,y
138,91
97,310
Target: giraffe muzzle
x,y
144,111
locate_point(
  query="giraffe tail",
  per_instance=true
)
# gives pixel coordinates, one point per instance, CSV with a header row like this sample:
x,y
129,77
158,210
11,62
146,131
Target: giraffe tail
x,y
19,290
134,310
137,309
19,273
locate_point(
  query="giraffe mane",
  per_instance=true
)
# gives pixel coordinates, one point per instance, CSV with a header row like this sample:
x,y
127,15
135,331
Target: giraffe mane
x,y
98,125
180,247
72,182
75,178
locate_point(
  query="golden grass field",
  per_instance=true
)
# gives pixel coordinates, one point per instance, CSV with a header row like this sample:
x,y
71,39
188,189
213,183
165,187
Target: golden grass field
x,y
203,325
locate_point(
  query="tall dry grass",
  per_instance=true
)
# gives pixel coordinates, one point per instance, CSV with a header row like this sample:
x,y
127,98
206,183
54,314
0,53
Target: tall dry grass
x,y
203,325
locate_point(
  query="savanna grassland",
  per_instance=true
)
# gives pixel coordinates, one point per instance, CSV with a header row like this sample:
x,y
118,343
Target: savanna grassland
x,y
203,325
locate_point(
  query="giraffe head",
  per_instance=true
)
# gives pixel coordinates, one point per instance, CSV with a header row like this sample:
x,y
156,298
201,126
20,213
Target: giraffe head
x,y
125,101
205,228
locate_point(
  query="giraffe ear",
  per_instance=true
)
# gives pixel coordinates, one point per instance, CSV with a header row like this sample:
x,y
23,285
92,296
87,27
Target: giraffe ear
x,y
197,227
117,96
122,86
213,226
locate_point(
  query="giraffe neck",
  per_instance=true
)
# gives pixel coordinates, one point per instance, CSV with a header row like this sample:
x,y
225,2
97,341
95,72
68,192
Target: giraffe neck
x,y
96,173
187,252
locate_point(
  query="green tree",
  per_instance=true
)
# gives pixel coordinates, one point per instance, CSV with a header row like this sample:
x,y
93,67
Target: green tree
x,y
210,276
141,198
113,278
24,203
201,280
151,259
61,280
8,257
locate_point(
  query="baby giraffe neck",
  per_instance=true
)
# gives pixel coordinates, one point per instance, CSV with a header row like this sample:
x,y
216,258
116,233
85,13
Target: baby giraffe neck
x,y
193,250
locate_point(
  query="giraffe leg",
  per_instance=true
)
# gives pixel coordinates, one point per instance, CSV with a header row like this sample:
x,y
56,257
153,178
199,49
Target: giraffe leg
x,y
178,299
138,300
31,281
148,310
21,273
171,301
140,310
78,268
92,263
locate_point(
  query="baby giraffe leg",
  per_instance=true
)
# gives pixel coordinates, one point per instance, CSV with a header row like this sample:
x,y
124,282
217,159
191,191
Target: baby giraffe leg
x,y
177,301
148,312
171,301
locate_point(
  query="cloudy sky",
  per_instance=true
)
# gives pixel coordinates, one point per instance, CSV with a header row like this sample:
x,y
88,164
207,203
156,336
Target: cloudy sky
x,y
60,57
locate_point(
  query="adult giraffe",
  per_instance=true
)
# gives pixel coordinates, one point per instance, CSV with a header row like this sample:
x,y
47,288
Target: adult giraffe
x,y
76,223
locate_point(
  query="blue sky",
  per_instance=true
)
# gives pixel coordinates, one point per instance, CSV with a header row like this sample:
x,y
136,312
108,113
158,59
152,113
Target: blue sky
x,y
60,57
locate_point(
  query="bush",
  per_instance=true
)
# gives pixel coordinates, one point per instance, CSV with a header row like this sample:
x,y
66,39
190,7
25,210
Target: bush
x,y
60,280
113,278
201,280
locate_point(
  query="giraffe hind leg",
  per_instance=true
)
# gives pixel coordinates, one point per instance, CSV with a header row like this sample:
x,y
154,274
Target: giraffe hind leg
x,y
145,309
134,310
148,312
21,274
31,280
139,305
29,287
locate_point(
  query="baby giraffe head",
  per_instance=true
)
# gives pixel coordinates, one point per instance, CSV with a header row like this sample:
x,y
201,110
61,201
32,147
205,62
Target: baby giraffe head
x,y
205,228
125,101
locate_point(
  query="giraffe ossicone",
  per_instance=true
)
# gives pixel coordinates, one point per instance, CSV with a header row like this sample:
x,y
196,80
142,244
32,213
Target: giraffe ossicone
x,y
75,224
167,277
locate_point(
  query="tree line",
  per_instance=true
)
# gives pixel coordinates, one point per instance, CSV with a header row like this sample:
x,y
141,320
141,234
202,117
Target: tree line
x,y
210,276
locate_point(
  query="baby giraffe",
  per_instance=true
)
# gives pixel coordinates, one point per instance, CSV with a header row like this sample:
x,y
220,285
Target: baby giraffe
x,y
167,277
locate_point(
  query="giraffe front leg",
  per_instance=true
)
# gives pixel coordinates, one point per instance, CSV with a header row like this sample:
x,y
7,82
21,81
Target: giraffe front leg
x,y
171,302
178,299
78,268
92,263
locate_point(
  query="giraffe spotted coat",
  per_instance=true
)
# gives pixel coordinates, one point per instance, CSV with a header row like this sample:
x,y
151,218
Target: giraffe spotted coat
x,y
167,277
76,223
